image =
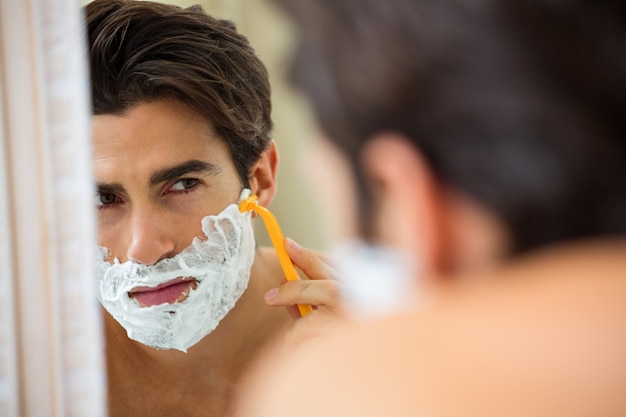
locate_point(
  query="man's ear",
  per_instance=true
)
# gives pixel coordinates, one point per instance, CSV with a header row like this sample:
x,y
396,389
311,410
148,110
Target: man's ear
x,y
407,212
263,175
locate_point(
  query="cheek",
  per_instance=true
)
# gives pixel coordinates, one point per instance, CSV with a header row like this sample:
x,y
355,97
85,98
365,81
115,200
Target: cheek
x,y
332,182
110,229
168,232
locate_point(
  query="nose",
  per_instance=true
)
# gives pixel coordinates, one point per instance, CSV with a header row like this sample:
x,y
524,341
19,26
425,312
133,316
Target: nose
x,y
151,240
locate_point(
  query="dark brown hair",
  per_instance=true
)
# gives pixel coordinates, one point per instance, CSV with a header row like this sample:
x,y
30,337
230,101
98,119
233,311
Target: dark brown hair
x,y
519,104
143,51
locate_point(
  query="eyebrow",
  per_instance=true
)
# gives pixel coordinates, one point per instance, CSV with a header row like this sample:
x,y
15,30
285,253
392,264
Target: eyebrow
x,y
165,174
193,165
109,188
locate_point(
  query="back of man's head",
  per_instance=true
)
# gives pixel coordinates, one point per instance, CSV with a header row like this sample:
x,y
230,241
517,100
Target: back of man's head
x,y
520,105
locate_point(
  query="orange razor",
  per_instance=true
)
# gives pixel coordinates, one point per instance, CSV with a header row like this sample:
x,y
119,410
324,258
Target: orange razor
x,y
278,240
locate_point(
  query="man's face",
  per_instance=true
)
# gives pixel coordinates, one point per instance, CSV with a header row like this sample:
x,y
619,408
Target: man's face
x,y
160,170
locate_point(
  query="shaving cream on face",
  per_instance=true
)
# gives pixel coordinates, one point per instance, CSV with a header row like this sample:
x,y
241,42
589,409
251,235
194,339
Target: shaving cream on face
x,y
375,280
221,266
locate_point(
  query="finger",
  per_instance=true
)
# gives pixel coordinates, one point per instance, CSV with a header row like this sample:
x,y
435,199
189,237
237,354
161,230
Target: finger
x,y
293,310
309,262
317,293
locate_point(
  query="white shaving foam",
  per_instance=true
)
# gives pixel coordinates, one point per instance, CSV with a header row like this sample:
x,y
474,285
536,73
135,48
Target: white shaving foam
x,y
376,280
221,265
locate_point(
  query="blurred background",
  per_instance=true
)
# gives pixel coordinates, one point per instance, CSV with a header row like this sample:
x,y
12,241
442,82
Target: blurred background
x,y
272,37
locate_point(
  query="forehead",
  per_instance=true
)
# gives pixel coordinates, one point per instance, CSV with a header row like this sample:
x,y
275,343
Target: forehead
x,y
152,135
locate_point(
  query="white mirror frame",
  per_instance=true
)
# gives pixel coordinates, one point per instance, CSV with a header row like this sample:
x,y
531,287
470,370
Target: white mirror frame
x,y
51,342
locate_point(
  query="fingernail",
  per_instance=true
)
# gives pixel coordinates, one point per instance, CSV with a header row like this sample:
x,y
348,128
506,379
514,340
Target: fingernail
x,y
271,294
293,244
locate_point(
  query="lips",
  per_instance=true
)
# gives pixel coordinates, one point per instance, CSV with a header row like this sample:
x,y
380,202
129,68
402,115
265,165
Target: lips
x,y
169,292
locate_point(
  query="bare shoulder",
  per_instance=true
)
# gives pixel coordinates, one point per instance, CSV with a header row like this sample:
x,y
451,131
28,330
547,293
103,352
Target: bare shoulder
x,y
549,339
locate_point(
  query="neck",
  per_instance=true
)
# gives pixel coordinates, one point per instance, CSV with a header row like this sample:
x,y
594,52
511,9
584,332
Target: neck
x,y
205,375
569,261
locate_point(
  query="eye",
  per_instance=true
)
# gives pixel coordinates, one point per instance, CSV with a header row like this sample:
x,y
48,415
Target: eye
x,y
185,184
106,199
